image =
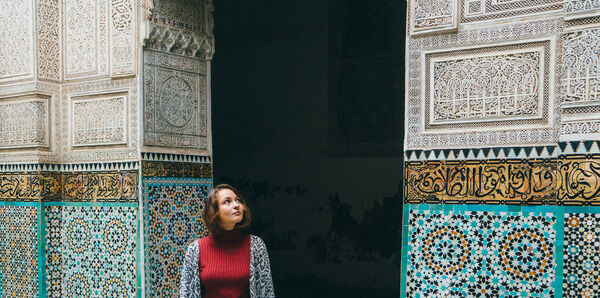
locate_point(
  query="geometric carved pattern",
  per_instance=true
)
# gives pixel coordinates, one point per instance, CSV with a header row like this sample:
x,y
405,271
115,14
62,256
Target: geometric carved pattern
x,y
99,121
18,251
17,43
580,267
175,103
433,16
480,86
178,41
570,180
581,81
24,123
581,8
171,221
480,254
91,251
480,10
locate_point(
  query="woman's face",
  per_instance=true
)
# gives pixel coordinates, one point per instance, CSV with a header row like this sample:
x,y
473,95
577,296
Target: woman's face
x,y
231,210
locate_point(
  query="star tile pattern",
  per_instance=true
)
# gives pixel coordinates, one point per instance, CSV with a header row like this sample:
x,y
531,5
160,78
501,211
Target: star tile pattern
x,y
581,259
172,221
484,254
91,251
18,251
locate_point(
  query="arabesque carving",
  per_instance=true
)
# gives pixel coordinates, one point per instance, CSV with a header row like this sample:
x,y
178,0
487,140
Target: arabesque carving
x,y
181,42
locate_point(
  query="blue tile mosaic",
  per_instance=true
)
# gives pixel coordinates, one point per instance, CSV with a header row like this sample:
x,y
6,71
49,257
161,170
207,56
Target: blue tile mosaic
x,y
19,251
172,220
91,250
480,253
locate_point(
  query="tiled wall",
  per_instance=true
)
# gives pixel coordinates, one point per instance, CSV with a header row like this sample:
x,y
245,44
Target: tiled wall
x,y
502,158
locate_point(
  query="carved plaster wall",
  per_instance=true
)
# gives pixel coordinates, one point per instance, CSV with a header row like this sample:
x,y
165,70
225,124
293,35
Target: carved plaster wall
x,y
17,42
24,122
175,101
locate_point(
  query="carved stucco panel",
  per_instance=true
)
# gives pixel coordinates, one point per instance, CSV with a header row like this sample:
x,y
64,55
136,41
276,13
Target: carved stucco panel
x,y
482,10
24,122
433,16
493,133
85,38
492,84
175,102
575,9
581,78
17,42
49,37
99,120
123,42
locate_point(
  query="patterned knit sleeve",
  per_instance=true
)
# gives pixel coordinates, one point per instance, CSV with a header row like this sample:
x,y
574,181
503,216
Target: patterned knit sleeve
x,y
261,281
190,276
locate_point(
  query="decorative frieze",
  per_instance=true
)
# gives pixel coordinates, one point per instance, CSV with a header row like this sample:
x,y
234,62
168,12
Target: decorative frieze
x,y
176,169
99,121
575,9
182,42
429,16
482,10
24,122
97,186
569,180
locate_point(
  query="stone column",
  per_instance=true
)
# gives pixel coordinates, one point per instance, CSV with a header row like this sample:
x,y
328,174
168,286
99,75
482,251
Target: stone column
x,y
104,144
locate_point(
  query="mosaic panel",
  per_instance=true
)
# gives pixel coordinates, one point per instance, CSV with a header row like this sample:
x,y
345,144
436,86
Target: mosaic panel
x,y
100,186
91,251
176,169
580,266
172,220
18,251
480,254
569,180
480,10
433,15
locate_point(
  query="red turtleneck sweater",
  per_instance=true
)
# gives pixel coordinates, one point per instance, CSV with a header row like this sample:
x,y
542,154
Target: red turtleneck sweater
x,y
225,264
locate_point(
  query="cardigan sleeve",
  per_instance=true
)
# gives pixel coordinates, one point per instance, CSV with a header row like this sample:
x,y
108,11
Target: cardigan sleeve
x,y
190,277
261,281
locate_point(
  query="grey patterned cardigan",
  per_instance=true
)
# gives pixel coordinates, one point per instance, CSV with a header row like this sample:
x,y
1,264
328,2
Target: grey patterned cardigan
x,y
261,282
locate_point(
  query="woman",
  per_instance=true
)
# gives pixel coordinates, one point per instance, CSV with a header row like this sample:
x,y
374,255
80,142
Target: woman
x,y
228,263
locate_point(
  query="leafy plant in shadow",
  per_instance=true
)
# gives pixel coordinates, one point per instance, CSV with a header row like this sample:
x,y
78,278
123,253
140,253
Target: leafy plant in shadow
x,y
349,238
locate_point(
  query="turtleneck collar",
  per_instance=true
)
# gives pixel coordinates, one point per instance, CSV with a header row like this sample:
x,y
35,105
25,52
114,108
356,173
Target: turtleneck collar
x,y
228,236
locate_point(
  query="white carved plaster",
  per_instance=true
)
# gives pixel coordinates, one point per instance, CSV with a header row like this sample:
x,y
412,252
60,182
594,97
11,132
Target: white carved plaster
x,y
123,38
483,10
99,120
491,85
24,122
576,9
429,16
581,77
175,101
49,37
17,42
486,40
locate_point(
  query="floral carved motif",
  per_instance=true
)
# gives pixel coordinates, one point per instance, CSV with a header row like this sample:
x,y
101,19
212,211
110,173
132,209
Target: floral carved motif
x,y
81,36
122,52
100,121
181,42
581,80
16,44
433,15
49,44
24,123
581,8
486,87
